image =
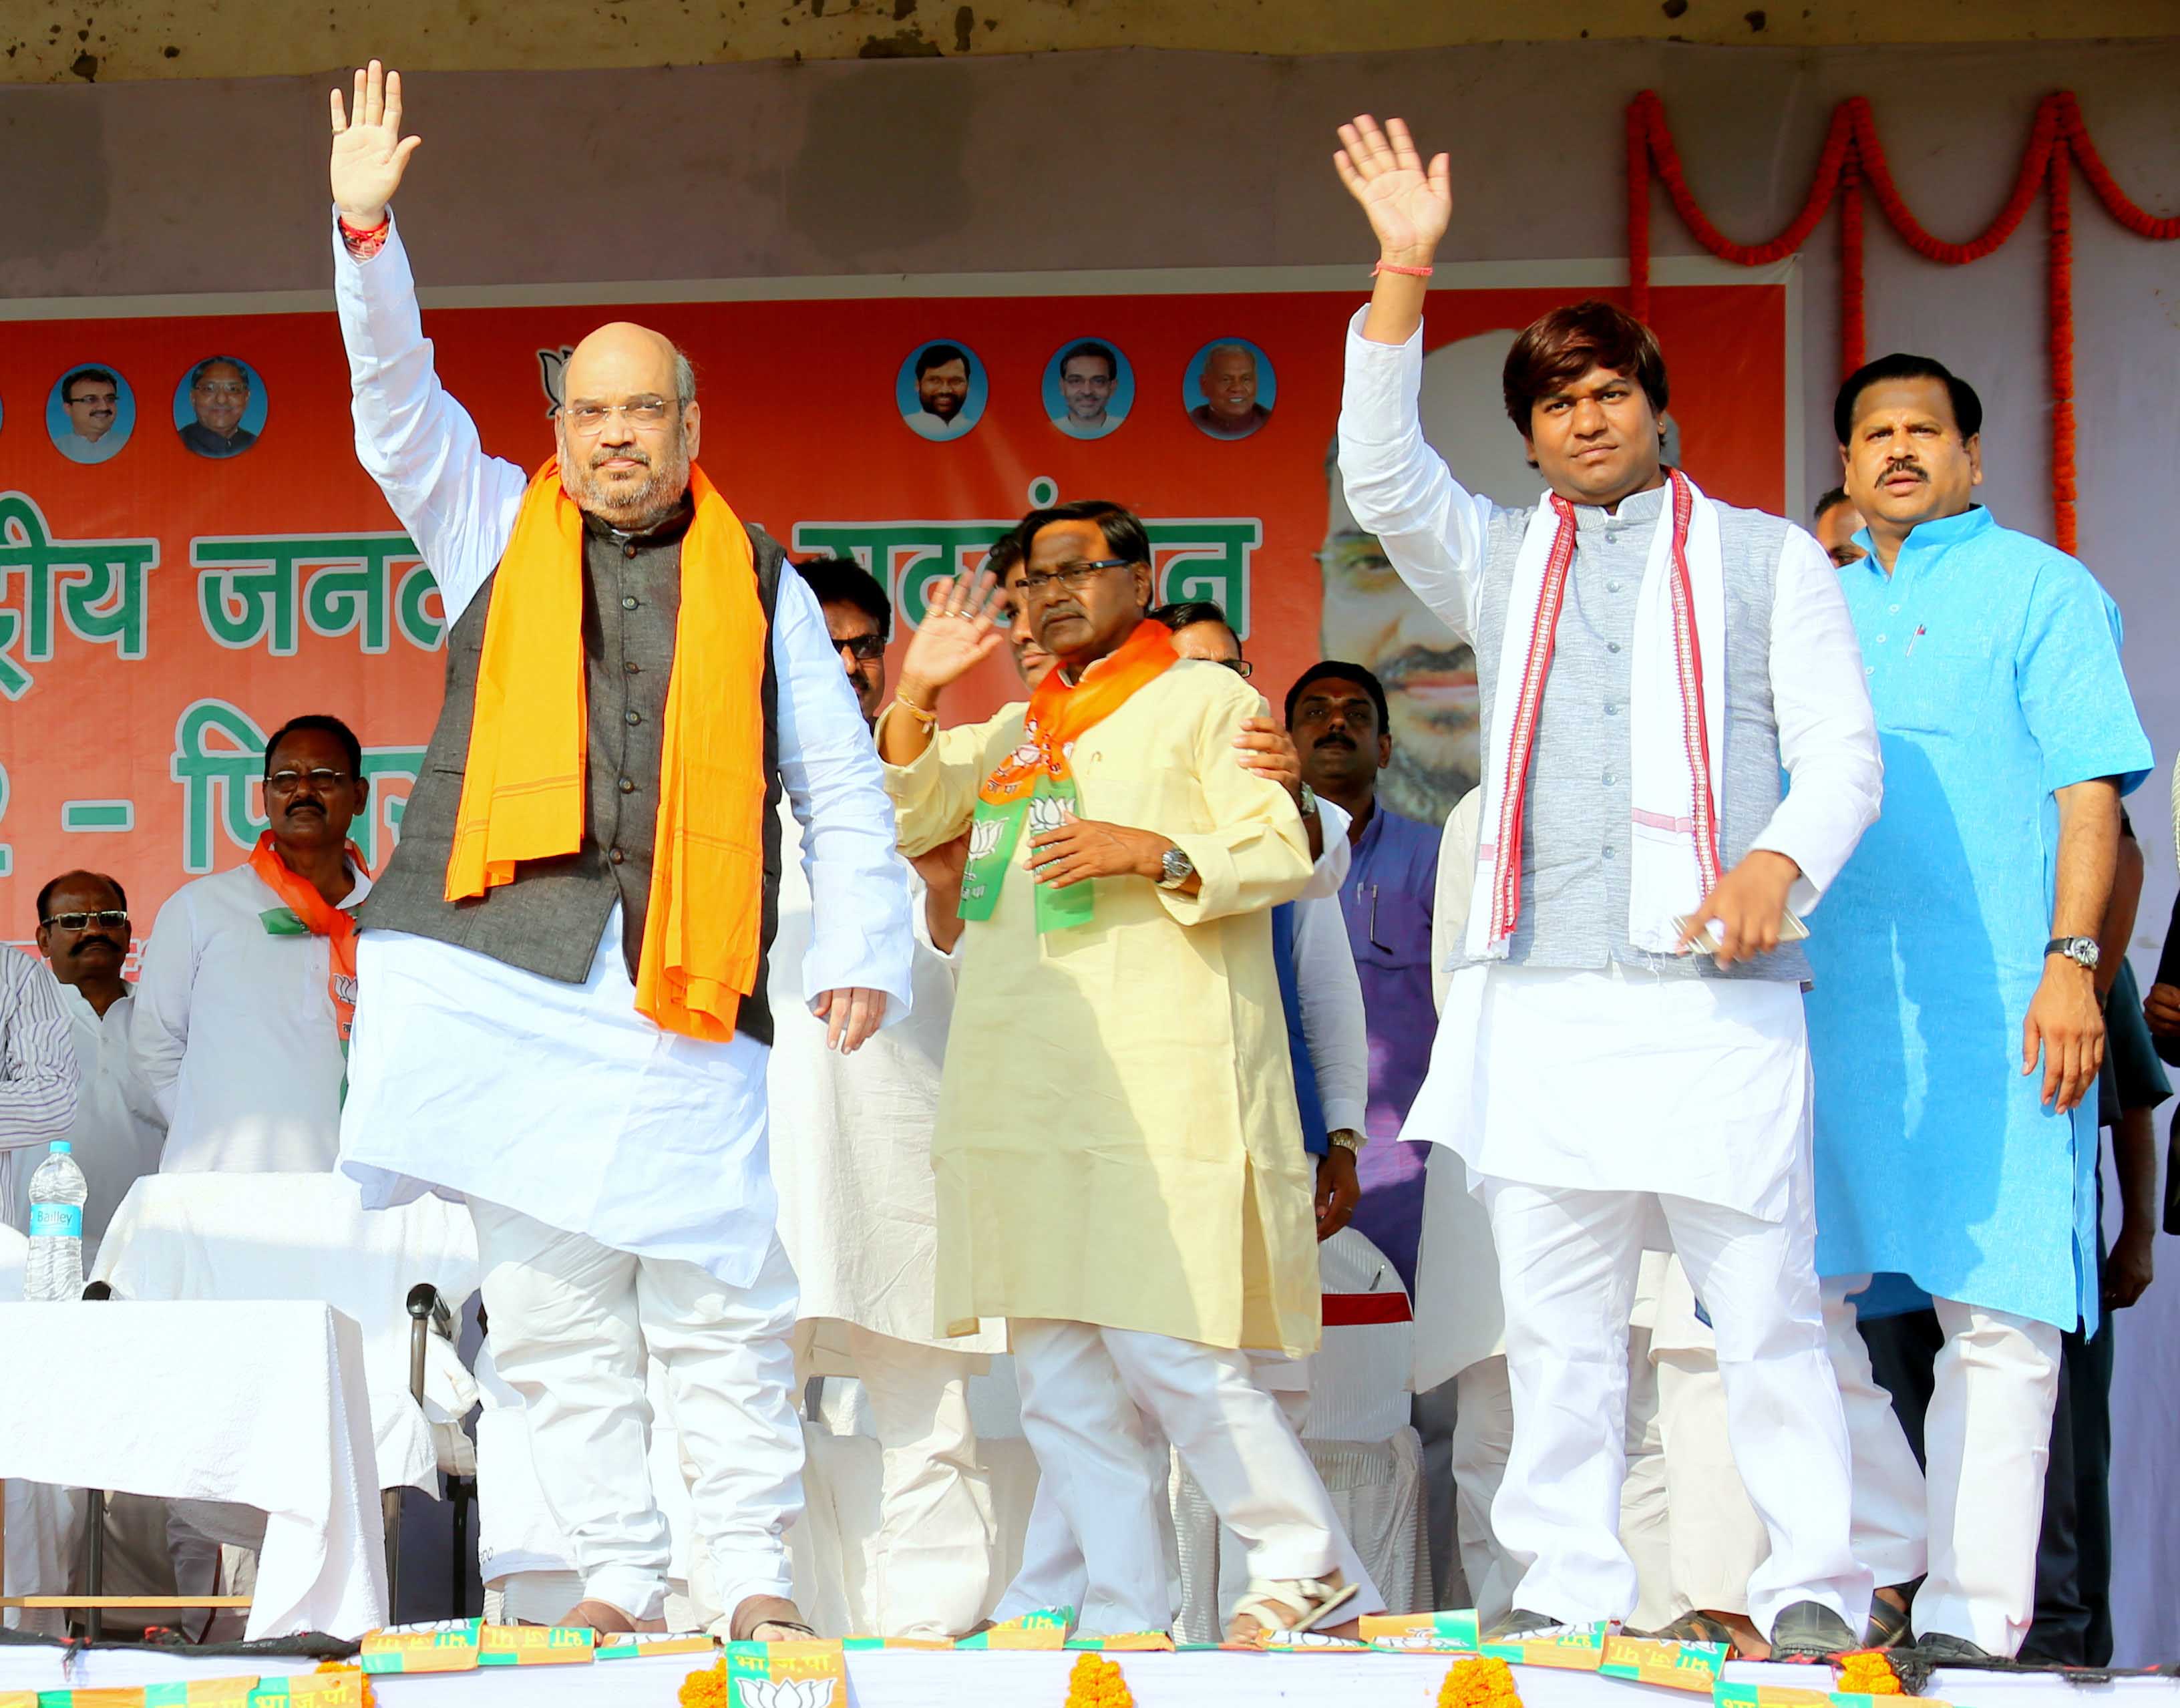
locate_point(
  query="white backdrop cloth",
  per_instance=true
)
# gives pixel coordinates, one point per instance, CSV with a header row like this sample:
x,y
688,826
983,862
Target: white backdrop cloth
x,y
262,1405
241,1237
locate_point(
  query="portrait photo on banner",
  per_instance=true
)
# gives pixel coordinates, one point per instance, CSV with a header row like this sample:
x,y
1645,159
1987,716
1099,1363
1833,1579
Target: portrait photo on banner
x,y
220,407
1089,388
90,413
941,390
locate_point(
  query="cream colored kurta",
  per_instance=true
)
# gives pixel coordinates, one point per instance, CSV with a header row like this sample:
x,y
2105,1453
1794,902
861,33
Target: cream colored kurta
x,y
1117,1141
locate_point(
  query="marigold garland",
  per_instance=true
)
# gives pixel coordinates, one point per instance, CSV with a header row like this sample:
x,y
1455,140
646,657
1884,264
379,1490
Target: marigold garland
x,y
1867,1673
1853,159
707,1688
1479,1683
1097,1682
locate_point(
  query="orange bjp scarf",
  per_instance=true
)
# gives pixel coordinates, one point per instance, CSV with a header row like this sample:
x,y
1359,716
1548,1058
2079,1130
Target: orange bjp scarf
x,y
313,913
522,793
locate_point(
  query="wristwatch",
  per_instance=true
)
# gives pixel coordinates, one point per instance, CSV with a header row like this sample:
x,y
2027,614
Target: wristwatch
x,y
1176,868
1347,1138
2081,951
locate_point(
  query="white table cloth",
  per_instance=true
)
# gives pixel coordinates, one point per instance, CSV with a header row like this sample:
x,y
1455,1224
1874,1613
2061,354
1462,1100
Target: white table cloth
x,y
236,1236
261,1404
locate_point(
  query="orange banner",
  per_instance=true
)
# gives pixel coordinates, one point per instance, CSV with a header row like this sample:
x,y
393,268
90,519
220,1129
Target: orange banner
x,y
191,555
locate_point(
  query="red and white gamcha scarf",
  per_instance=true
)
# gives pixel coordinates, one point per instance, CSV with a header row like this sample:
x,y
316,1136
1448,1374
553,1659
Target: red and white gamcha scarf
x,y
1676,719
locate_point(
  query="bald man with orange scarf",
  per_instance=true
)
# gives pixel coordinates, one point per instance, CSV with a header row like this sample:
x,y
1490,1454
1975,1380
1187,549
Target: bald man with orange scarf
x,y
562,1012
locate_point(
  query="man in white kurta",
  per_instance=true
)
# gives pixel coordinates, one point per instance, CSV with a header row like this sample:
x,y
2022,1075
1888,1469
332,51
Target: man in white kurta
x,y
1650,660
235,1027
858,1213
617,1168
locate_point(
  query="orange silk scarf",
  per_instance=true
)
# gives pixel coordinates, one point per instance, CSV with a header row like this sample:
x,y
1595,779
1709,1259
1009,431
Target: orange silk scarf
x,y
1058,713
522,793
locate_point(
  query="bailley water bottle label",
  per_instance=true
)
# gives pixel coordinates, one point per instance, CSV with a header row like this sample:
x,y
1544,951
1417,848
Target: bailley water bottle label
x,y
56,1220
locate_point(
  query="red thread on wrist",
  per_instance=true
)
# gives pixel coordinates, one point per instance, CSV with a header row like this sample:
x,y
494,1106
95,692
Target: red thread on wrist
x,y
362,243
1404,271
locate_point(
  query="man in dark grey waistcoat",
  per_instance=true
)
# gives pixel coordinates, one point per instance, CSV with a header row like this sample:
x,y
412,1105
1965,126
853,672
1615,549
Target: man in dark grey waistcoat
x,y
1649,663
561,1013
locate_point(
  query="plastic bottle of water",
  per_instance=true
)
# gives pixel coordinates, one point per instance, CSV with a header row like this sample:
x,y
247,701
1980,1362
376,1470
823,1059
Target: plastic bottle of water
x,y
58,1191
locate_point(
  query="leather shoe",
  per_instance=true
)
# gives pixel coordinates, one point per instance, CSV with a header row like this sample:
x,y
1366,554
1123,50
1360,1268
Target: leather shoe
x,y
1810,1631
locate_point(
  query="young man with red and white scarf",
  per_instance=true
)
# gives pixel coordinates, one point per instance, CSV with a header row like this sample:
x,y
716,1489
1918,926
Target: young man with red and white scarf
x,y
1649,661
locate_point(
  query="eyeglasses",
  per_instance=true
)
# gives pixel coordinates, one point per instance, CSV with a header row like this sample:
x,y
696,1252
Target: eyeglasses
x,y
589,419
222,387
114,917
1239,667
864,649
288,782
1037,584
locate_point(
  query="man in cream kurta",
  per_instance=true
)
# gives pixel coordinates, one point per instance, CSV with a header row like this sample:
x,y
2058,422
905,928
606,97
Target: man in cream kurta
x,y
1120,1167
1649,661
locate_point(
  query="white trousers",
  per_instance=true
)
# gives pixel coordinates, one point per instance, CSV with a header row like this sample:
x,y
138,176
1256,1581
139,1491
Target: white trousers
x,y
1716,1540
1987,1434
1567,1266
573,1323
1093,1402
930,1560
1482,1438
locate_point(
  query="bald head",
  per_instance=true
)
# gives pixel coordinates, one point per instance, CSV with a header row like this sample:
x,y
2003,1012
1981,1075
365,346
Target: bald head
x,y
628,427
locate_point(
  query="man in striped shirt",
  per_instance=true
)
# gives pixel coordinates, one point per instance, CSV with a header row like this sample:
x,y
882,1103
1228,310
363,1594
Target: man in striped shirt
x,y
37,1070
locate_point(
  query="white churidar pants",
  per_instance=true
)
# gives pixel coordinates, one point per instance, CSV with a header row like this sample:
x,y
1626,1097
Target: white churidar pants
x,y
573,1323
930,1559
1094,1400
1483,1437
1568,1261
1987,1434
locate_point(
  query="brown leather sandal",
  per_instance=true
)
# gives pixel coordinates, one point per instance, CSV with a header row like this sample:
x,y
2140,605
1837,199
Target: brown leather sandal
x,y
760,1614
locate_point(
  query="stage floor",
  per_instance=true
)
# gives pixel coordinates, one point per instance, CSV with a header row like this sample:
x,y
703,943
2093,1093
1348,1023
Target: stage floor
x,y
1017,1679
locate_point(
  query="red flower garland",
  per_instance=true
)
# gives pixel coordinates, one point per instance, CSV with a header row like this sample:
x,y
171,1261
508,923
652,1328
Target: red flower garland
x,y
1853,157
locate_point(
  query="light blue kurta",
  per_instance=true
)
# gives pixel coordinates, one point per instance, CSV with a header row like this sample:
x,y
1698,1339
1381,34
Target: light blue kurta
x,y
1994,668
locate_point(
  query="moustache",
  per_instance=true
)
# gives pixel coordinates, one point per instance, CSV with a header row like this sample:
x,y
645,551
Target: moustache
x,y
1424,661
629,454
295,807
84,942
1334,738
1903,466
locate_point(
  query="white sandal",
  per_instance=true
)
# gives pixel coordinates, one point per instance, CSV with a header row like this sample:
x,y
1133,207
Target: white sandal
x,y
1287,1605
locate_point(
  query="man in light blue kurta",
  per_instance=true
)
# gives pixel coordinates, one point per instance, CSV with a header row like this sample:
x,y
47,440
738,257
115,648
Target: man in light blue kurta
x,y
1955,951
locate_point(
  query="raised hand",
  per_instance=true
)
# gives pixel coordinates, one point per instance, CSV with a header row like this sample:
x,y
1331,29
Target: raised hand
x,y
960,631
1407,204
370,153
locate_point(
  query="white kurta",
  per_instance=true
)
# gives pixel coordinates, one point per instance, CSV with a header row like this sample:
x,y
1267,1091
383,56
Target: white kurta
x,y
1621,1080
1334,1028
560,1101
234,1032
118,1130
852,1143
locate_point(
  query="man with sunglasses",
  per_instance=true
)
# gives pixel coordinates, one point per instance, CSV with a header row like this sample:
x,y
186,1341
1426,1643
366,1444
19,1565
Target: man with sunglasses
x,y
240,1022
1119,1162
83,933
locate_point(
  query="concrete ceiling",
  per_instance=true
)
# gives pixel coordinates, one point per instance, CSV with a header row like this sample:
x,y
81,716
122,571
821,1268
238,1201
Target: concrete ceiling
x,y
104,41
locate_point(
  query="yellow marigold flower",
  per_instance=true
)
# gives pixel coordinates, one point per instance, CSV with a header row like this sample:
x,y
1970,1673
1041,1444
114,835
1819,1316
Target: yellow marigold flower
x,y
1478,1684
707,1688
1867,1674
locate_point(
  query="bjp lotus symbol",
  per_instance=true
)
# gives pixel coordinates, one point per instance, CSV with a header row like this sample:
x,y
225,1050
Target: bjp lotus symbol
x,y
785,1693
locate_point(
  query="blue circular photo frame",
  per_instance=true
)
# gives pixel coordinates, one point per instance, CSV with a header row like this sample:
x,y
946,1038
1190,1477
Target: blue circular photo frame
x,y
100,393
206,439
935,355
1217,424
1086,352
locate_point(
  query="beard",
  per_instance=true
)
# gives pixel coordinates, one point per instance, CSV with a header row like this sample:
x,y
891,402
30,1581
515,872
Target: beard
x,y
632,509
1427,793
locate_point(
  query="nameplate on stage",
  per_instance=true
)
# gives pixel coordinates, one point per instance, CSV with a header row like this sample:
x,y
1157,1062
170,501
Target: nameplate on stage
x,y
640,1645
536,1645
1045,1629
1676,1665
1580,1650
786,1675
447,1646
1458,1632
